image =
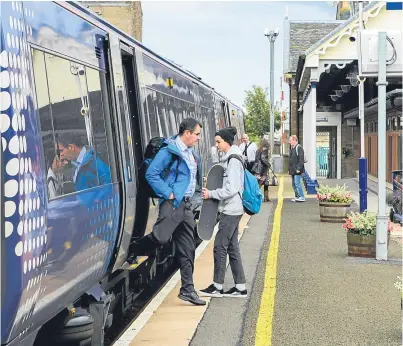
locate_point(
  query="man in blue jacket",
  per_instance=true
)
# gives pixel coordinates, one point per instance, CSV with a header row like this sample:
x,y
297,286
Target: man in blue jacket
x,y
89,169
180,195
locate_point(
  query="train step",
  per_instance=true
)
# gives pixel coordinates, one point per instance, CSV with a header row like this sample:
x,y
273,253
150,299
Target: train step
x,y
140,261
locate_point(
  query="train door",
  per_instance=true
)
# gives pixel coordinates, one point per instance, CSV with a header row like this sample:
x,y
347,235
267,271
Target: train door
x,y
132,95
134,110
129,174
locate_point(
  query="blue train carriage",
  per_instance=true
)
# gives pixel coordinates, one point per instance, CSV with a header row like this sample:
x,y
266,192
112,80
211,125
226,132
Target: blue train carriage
x,y
236,119
79,102
62,193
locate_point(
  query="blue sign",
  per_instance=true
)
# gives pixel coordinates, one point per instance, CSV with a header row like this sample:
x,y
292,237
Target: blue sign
x,y
394,6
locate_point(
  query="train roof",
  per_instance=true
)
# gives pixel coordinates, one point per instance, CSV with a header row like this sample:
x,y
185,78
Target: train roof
x,y
138,43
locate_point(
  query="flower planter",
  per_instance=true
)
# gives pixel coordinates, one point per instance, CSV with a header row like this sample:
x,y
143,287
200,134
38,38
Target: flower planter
x,y
362,245
333,212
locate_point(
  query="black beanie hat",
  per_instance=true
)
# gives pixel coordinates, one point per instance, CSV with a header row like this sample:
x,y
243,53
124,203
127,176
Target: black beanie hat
x,y
227,134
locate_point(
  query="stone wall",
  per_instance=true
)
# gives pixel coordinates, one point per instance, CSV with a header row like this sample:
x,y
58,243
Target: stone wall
x,y
126,15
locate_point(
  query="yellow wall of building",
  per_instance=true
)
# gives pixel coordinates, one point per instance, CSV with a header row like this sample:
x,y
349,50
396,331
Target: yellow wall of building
x,y
126,15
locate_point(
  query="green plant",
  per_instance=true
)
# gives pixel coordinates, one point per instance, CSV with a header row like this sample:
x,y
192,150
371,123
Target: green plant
x,y
362,223
337,194
257,116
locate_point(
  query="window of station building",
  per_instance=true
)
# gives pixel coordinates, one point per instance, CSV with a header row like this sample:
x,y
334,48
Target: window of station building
x,y
71,113
395,123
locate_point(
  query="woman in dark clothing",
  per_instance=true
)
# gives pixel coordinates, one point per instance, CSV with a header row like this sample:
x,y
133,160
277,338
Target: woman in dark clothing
x,y
261,166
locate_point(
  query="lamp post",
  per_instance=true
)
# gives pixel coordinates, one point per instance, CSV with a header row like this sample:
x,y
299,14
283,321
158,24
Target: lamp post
x,y
362,161
271,35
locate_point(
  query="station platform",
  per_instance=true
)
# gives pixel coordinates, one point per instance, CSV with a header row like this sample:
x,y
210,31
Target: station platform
x,y
303,289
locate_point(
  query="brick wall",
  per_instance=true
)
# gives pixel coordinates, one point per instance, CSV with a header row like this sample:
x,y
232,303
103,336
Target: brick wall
x,y
126,15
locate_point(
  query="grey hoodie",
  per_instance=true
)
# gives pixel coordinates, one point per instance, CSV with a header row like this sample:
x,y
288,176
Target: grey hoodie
x,y
230,193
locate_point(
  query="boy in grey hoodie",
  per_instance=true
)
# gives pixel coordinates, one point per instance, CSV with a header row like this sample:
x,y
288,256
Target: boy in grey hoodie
x,y
231,211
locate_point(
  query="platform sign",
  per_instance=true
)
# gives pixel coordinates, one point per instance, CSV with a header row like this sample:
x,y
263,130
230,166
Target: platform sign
x,y
369,62
394,6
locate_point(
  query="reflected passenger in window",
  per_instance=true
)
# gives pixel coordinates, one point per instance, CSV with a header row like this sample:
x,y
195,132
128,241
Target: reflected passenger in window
x,y
52,179
89,170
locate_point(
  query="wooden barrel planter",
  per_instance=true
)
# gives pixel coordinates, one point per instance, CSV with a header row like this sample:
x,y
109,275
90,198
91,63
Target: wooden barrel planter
x,y
362,245
333,212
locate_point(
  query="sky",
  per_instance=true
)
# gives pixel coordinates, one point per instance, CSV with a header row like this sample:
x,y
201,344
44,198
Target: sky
x,y
223,42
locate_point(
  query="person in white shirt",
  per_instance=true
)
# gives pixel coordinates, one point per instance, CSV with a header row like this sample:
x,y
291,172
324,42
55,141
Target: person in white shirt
x,y
248,150
54,164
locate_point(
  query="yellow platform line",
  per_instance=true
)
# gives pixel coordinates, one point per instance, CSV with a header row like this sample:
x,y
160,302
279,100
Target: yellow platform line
x,y
264,326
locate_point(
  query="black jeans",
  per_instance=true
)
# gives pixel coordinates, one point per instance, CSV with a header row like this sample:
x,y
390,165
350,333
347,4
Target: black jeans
x,y
226,242
178,224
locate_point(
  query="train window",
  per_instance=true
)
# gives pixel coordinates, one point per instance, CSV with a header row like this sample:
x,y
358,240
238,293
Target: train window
x,y
152,115
191,111
162,116
171,118
45,118
97,114
71,112
179,110
399,152
147,128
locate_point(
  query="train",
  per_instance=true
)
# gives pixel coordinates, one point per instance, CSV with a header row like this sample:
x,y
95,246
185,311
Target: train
x,y
79,95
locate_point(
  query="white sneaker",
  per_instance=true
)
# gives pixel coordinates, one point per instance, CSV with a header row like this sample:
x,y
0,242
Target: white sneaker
x,y
294,199
300,199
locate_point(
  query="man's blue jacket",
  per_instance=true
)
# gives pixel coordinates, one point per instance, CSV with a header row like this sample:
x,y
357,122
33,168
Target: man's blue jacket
x,y
172,183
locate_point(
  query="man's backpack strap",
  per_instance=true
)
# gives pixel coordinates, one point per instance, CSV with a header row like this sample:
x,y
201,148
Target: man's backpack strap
x,y
168,168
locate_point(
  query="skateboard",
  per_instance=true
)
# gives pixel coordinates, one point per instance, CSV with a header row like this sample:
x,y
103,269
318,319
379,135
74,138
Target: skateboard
x,y
209,209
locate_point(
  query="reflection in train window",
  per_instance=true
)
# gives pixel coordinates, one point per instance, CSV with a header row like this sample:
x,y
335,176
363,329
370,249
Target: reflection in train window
x,y
71,112
152,114
45,118
97,114
162,118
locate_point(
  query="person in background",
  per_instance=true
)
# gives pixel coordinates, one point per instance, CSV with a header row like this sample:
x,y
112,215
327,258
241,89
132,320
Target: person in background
x,y
296,168
231,211
89,169
261,166
54,164
248,150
